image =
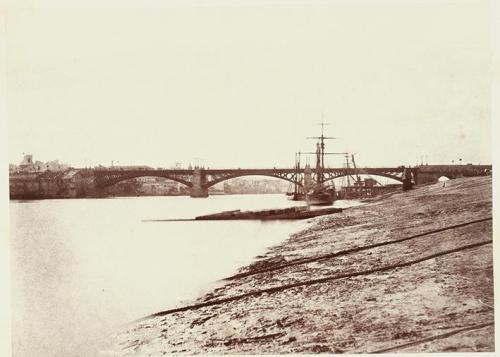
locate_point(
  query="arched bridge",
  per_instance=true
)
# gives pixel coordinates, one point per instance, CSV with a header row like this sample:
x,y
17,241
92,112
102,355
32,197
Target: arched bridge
x,y
199,180
93,182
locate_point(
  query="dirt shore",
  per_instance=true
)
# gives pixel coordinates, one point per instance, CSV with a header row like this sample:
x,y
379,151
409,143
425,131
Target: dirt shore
x,y
407,272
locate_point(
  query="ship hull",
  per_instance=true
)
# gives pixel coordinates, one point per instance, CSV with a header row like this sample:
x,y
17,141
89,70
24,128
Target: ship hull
x,y
296,196
320,198
320,201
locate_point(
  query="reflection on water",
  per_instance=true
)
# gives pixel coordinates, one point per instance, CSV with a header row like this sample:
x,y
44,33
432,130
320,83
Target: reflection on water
x,y
81,267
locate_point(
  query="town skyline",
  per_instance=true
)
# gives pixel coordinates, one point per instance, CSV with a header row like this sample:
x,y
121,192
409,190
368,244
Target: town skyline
x,y
198,163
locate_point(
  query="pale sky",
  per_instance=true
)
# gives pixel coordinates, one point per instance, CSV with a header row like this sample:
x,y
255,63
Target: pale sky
x,y
242,84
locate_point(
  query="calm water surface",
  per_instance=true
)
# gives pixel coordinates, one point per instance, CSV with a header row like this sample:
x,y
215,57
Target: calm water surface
x,y
81,267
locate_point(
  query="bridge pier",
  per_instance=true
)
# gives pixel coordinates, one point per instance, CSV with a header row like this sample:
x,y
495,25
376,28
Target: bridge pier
x,y
199,190
407,179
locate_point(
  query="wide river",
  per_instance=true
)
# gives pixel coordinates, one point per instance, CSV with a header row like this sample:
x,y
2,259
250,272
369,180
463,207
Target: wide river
x,y
81,267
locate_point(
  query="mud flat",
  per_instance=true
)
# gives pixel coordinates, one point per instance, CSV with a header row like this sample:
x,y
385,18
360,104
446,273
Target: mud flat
x,y
406,272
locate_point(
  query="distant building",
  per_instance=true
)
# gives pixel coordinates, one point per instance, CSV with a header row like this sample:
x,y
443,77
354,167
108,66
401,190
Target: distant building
x,y
157,186
55,165
147,179
245,186
28,165
51,184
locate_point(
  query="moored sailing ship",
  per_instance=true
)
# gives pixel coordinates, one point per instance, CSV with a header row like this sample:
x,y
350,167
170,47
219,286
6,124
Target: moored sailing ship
x,y
315,192
321,194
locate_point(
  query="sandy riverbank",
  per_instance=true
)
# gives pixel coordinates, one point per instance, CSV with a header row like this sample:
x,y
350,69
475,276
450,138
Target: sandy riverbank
x,y
429,293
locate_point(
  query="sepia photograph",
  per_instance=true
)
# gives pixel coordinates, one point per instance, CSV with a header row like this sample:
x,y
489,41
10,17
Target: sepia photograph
x,y
229,177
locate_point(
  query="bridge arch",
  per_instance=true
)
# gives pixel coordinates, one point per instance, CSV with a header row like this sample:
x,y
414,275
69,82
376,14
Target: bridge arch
x,y
217,180
392,177
108,182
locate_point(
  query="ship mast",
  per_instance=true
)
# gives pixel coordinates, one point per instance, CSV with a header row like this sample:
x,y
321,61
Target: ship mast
x,y
347,167
319,166
322,142
297,170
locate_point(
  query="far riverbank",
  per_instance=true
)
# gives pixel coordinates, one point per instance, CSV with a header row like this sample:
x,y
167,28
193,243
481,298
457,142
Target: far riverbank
x,y
407,272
